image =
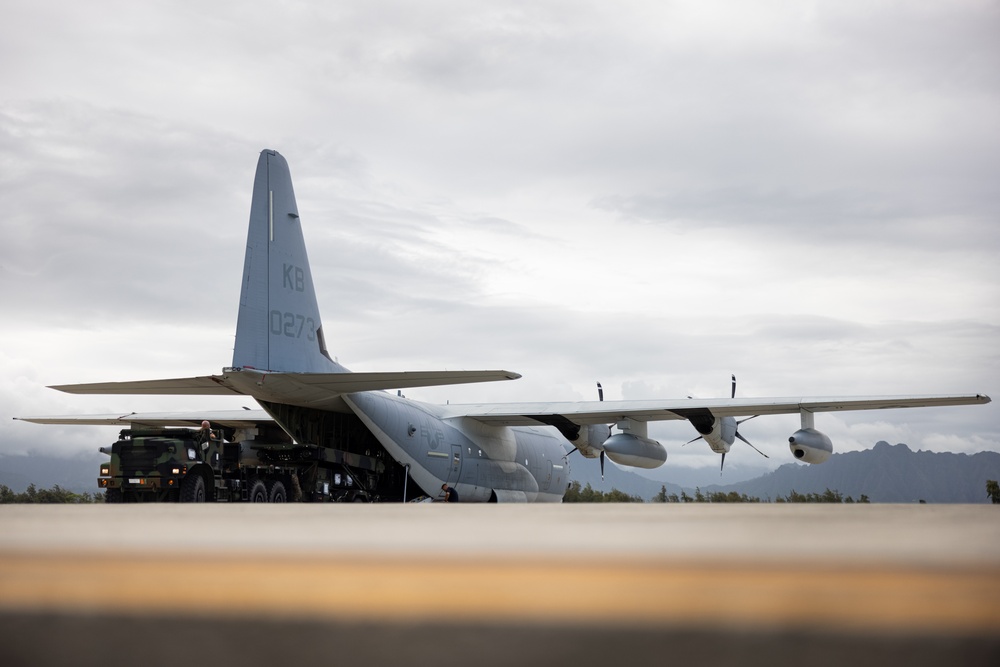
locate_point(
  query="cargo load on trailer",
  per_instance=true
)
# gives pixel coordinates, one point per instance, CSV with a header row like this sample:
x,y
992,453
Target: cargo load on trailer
x,y
261,464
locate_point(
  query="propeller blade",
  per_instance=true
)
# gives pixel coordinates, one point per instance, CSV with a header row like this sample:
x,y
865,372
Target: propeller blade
x,y
690,441
734,387
723,464
754,448
600,397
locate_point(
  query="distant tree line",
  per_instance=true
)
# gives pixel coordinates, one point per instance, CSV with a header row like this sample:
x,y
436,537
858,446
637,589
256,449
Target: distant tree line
x,y
574,494
53,496
699,497
828,496
587,494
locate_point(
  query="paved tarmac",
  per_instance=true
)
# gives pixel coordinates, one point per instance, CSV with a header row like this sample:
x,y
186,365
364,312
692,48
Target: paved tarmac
x,y
500,585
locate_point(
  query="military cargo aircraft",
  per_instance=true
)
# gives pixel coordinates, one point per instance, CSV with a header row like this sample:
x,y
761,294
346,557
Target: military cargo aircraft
x,y
504,452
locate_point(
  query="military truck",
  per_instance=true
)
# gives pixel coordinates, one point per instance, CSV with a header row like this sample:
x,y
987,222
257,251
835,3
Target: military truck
x,y
258,465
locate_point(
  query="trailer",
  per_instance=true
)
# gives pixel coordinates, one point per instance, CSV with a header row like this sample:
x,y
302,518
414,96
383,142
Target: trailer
x,y
261,464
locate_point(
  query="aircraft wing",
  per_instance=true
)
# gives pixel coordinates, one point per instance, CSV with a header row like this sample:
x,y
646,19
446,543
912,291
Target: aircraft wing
x,y
607,412
227,418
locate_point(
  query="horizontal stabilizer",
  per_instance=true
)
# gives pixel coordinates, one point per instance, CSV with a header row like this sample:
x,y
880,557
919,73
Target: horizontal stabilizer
x,y
343,383
210,385
226,418
295,388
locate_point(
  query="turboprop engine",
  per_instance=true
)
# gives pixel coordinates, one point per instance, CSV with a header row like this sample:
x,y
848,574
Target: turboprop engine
x,y
632,447
719,432
590,441
627,449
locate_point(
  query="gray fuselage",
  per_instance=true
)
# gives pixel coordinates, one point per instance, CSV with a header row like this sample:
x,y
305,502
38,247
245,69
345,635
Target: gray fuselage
x,y
481,461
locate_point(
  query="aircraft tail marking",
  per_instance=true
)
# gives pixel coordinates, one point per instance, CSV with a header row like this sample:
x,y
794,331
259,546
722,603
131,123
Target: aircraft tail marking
x,y
279,326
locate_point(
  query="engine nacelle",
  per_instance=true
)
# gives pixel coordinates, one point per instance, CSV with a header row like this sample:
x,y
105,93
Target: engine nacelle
x,y
633,450
810,446
590,442
721,436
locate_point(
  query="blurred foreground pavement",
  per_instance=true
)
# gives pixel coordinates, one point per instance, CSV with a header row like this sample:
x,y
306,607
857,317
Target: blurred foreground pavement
x,y
500,585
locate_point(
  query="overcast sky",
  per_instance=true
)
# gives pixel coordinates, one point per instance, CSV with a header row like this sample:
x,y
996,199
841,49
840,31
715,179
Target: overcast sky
x,y
650,194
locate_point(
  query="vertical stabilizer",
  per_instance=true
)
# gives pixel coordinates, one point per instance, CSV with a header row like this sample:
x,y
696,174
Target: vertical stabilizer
x,y
279,327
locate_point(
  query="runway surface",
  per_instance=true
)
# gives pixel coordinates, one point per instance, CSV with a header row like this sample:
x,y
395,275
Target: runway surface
x,y
563,584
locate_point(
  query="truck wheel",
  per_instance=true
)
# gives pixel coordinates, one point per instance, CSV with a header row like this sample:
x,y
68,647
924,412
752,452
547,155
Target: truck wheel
x,y
113,496
193,489
258,491
277,493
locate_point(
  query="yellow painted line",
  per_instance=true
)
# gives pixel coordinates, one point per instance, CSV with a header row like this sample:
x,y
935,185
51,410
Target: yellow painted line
x,y
418,588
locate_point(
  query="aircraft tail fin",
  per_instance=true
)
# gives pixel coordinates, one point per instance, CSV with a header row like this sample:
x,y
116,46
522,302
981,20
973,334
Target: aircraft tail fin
x,y
279,326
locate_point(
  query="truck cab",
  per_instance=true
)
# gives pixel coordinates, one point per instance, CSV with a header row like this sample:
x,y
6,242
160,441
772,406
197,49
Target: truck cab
x,y
161,465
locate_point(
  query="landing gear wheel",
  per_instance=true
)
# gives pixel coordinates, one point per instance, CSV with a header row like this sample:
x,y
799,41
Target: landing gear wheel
x,y
258,491
113,496
193,489
276,492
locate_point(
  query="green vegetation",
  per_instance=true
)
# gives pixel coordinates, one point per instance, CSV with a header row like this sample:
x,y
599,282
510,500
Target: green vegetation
x,y
574,494
589,495
699,497
993,491
55,495
828,496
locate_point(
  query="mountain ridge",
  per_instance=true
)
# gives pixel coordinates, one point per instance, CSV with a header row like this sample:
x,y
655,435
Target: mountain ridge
x,y
885,473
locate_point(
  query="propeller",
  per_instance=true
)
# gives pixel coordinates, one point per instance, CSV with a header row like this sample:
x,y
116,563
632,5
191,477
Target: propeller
x,y
736,431
747,441
745,420
737,434
600,397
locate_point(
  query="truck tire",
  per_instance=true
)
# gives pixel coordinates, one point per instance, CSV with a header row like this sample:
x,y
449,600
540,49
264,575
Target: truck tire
x,y
276,492
193,489
257,492
113,496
